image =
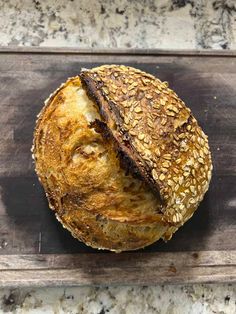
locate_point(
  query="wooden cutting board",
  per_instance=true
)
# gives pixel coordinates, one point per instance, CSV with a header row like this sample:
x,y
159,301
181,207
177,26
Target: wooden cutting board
x,y
36,250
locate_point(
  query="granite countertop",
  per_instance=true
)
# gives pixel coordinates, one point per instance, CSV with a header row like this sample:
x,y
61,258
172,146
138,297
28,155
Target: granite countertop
x,y
173,24
169,299
166,24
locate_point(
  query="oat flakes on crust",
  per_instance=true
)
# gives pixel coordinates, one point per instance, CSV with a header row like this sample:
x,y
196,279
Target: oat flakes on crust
x,y
124,167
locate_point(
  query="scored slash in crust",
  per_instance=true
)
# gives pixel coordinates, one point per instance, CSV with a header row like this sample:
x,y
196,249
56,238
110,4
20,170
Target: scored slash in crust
x,y
102,140
154,132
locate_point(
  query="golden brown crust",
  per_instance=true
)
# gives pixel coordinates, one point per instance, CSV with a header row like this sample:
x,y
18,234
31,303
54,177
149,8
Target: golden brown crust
x,y
156,131
104,199
91,195
103,233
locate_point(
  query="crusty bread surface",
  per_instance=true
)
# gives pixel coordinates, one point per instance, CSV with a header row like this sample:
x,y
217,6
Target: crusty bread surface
x,y
121,158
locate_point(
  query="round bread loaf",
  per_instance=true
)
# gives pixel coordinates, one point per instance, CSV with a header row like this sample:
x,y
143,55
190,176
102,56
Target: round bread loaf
x,y
121,158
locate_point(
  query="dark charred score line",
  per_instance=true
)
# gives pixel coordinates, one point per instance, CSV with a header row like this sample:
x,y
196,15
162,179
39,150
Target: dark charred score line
x,y
93,92
101,128
126,162
114,111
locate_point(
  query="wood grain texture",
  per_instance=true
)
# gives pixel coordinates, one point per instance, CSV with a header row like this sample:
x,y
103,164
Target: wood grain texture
x,y
128,268
30,237
118,51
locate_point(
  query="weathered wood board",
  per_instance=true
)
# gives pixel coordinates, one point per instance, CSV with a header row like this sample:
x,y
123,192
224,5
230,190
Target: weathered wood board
x,y
36,250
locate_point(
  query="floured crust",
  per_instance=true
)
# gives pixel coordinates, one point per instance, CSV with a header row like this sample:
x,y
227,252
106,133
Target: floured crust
x,y
125,167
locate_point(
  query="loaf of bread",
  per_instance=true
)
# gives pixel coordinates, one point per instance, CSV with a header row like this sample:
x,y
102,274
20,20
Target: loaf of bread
x,y
121,158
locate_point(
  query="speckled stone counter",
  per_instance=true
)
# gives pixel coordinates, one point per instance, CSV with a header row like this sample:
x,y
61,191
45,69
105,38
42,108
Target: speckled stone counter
x,y
192,299
173,24
166,24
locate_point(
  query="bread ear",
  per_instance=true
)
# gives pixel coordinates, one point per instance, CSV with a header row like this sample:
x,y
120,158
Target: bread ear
x,y
155,133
